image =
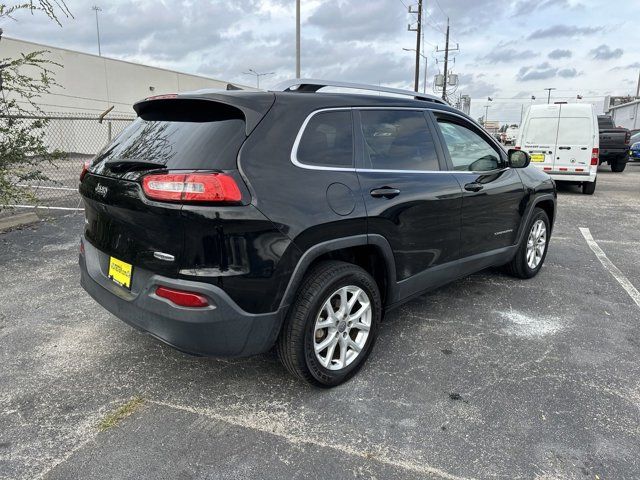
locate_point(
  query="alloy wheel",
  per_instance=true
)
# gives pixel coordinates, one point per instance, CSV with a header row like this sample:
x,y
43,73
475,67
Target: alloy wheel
x,y
342,327
536,244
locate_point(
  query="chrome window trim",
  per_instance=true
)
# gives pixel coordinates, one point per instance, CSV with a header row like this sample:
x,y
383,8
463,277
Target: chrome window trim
x,y
296,144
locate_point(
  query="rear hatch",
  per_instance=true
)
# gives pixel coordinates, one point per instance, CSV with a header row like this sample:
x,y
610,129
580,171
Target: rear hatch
x,y
540,134
173,135
575,142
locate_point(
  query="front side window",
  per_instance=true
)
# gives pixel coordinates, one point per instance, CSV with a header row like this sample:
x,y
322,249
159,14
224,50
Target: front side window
x,y
327,140
468,150
397,140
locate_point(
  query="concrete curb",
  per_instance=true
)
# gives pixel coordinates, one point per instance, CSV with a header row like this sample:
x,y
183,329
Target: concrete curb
x,y
18,220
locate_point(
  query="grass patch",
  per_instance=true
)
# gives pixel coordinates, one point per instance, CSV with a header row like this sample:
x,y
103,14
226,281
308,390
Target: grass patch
x,y
122,412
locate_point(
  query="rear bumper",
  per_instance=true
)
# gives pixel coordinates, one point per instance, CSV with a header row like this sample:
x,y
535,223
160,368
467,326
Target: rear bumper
x,y
221,329
572,176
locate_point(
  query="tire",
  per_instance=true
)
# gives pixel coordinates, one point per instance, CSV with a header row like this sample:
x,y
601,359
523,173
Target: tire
x,y
588,188
321,289
519,266
618,166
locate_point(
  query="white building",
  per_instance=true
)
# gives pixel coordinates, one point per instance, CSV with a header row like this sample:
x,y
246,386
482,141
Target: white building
x,y
626,115
91,84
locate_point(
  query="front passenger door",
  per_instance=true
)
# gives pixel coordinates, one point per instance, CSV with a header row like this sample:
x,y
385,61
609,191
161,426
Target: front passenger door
x,y
411,199
492,193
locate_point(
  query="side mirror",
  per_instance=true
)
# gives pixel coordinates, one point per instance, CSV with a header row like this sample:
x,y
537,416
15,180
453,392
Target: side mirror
x,y
518,158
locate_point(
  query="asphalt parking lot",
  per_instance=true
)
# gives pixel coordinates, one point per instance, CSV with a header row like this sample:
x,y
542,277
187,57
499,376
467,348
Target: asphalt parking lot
x,y
489,377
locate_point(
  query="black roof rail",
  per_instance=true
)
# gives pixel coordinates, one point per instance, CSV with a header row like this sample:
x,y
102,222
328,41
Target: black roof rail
x,y
313,85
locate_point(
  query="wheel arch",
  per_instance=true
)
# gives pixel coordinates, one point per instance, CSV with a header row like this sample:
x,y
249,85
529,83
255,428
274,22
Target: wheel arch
x,y
371,252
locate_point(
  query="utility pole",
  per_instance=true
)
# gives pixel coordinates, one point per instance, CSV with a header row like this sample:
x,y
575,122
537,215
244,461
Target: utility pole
x,y
97,9
638,89
549,95
297,38
486,114
446,62
418,30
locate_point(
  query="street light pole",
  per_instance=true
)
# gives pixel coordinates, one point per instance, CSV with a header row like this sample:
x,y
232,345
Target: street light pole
x,y
297,38
97,9
257,75
549,95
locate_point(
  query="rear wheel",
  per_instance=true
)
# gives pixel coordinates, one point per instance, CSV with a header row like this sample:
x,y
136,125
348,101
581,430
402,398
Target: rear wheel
x,y
619,165
331,328
532,251
588,188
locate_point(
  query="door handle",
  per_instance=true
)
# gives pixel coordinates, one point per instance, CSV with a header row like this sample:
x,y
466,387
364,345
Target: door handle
x,y
564,148
386,192
473,187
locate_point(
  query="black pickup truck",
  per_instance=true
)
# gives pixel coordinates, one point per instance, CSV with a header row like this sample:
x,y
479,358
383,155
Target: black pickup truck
x,y
614,143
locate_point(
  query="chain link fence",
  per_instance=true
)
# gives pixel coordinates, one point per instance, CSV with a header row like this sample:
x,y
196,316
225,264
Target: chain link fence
x,y
80,137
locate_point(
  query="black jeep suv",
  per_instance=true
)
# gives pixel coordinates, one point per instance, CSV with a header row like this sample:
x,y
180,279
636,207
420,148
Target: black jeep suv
x,y
227,222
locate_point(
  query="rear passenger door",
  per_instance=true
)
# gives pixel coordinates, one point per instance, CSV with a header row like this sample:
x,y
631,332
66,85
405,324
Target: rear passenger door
x,y
492,193
410,199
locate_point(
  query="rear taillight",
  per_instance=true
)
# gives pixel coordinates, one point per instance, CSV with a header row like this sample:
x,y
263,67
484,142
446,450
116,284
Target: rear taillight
x,y
595,156
85,169
183,298
191,187
516,148
627,138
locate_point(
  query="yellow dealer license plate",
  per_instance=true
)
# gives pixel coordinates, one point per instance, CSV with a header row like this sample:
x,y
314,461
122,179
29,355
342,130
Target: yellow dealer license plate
x,y
537,157
120,272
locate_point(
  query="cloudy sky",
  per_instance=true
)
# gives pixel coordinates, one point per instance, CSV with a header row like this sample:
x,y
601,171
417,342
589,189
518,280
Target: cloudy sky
x,y
508,49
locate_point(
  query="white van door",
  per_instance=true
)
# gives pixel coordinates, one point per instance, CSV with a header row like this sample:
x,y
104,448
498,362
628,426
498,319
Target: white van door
x,y
539,137
575,141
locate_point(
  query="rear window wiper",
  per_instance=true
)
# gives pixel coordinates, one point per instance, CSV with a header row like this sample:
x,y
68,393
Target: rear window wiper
x,y
132,164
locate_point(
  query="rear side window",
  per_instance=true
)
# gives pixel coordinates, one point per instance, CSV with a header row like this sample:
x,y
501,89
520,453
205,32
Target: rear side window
x,y
327,140
574,131
397,140
180,134
541,130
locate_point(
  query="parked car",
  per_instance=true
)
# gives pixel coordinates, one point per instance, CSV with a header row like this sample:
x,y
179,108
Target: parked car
x,y
562,140
634,150
511,134
614,143
226,222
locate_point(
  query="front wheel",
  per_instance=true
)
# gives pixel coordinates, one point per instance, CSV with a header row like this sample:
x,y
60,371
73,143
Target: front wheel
x,y
532,251
331,328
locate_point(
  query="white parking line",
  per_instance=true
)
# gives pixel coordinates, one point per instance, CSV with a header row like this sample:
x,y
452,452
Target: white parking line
x,y
46,208
608,264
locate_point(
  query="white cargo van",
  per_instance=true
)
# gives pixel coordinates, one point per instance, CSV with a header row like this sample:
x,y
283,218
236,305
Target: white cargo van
x,y
562,140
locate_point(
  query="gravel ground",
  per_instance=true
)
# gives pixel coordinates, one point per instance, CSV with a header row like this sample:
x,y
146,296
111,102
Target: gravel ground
x,y
489,377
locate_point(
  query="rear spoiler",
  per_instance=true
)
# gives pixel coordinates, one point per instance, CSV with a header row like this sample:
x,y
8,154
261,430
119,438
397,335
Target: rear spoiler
x,y
253,105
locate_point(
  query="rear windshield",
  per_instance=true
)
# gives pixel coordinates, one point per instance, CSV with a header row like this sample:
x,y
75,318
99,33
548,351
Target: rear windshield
x,y
574,131
179,134
541,130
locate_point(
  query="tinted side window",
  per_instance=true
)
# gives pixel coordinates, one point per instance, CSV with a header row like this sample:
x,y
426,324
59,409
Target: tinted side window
x,y
397,140
327,140
468,150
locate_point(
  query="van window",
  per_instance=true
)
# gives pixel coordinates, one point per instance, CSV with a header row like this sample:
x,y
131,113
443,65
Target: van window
x,y
574,131
398,140
541,130
327,140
